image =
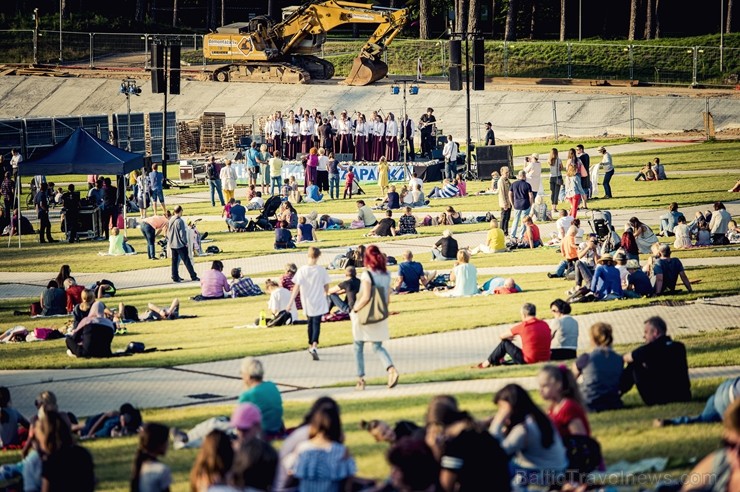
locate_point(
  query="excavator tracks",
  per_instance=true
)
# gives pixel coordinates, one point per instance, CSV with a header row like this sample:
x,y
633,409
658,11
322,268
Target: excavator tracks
x,y
275,72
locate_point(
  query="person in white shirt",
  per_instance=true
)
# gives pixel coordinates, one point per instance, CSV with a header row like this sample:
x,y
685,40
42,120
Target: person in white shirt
x,y
449,152
276,173
379,132
391,138
293,126
344,129
307,131
563,224
312,282
279,300
415,181
534,173
228,180
361,142
257,202
322,171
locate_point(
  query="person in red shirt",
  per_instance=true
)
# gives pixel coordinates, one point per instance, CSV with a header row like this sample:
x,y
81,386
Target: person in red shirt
x,y
535,336
74,293
559,389
531,237
348,183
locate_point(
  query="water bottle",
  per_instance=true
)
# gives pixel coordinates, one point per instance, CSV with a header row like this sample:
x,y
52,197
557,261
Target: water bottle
x,y
263,318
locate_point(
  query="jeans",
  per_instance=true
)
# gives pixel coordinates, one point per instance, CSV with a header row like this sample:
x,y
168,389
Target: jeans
x,y
336,300
275,183
44,226
334,186
450,169
377,348
177,255
437,255
505,216
519,220
149,234
562,268
554,191
607,181
708,415
215,186
314,329
503,348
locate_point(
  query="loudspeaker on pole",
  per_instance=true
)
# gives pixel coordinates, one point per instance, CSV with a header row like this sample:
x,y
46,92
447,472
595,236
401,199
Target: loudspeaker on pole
x,y
158,68
175,69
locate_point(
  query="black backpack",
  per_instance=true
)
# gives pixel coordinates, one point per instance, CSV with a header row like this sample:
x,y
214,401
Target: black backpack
x,y
584,454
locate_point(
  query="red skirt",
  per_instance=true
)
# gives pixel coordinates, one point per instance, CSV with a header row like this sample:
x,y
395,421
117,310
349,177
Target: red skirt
x,y
344,147
391,149
360,148
294,145
306,143
378,148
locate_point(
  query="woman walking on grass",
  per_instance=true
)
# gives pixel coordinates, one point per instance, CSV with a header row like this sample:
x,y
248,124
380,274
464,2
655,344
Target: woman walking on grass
x,y
375,275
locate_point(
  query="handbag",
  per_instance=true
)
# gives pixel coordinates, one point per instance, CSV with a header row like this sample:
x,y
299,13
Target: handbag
x,y
559,180
376,309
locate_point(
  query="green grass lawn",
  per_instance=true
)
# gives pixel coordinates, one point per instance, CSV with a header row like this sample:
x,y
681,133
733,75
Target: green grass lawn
x,y
624,434
218,318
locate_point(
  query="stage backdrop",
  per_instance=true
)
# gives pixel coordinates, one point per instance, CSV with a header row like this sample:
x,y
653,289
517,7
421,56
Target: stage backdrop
x,y
362,173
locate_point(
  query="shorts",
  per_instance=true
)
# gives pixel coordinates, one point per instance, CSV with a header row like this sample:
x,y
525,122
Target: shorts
x,y
157,196
253,171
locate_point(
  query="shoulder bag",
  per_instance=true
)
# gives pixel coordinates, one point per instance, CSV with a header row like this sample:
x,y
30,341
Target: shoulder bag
x,y
376,309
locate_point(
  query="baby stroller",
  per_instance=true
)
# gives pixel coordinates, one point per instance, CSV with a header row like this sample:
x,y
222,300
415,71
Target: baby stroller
x,y
262,221
601,225
163,247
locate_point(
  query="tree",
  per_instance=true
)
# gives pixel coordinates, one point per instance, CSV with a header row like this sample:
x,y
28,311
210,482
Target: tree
x,y
648,19
461,11
532,19
425,11
510,32
657,19
474,16
728,28
174,13
139,11
562,20
633,20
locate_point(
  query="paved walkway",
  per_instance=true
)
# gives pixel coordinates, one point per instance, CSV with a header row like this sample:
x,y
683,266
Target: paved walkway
x,y
88,391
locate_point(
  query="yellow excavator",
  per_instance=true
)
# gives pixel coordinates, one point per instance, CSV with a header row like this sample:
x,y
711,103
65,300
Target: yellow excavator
x,y
264,51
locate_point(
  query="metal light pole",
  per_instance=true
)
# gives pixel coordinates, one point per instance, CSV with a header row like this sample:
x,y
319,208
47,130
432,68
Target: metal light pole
x,y
60,31
721,34
579,19
128,87
413,90
36,36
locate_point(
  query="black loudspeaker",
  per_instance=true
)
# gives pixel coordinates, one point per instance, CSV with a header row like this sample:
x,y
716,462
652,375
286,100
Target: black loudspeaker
x,y
456,78
485,153
455,52
441,141
486,168
175,69
478,52
479,77
158,86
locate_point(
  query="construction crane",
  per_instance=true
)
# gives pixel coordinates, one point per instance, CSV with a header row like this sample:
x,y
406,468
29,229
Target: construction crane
x,y
264,51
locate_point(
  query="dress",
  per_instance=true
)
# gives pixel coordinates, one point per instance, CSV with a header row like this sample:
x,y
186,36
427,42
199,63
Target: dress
x,y
383,175
645,239
683,236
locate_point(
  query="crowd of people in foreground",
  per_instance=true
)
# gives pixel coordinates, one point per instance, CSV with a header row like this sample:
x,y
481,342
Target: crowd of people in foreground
x,y
520,445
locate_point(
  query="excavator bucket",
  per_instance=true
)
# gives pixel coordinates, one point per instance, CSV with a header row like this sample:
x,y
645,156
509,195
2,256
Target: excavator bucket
x,y
365,71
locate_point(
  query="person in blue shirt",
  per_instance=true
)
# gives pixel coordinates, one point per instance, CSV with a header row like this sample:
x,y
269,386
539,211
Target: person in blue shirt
x,y
312,193
238,220
411,275
606,283
283,237
638,283
156,180
253,167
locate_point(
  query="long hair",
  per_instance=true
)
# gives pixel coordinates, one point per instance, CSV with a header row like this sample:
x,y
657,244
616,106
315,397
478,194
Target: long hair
x,y
214,459
326,421
522,406
374,259
255,463
629,243
54,430
151,439
566,380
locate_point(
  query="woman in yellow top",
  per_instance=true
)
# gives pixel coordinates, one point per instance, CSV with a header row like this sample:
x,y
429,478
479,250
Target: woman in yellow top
x,y
495,241
383,174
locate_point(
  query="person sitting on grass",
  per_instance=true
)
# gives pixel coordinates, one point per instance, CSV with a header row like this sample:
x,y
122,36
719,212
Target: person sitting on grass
x,y
647,173
638,283
350,287
564,330
279,299
465,277
385,227
600,371
265,395
560,390
569,250
535,336
312,193
669,221
238,220
446,247
226,212
11,421
683,234
116,423
717,404
720,470
116,241
243,286
73,292
392,199
659,368
407,223
531,237
606,283
667,270
411,275
306,231
462,186
214,284
733,232
417,197
149,474
283,237
256,202
448,190
495,241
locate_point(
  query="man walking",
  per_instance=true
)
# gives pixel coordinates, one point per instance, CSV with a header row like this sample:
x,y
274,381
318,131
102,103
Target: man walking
x,y
214,181
156,183
521,198
585,179
504,185
177,239
312,282
42,211
490,137
450,154
608,167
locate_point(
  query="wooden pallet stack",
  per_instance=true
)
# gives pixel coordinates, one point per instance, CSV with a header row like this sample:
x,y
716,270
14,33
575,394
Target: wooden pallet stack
x,y
188,141
147,135
211,128
231,135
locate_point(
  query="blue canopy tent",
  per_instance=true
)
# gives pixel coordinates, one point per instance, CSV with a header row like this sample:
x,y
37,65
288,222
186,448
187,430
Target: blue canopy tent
x,y
82,153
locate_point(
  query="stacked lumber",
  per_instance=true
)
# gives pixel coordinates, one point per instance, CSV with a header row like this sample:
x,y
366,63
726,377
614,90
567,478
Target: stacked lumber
x,y
231,135
211,128
147,135
188,141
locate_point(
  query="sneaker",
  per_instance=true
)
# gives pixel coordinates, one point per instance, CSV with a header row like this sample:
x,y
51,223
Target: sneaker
x,y
392,377
551,275
360,386
179,438
69,353
314,353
